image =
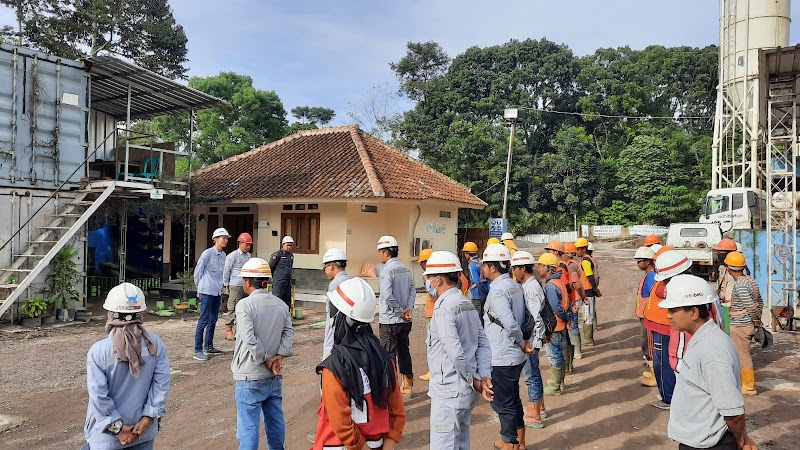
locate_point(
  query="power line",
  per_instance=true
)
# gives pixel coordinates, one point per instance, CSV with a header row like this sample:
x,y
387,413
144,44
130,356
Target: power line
x,y
612,116
489,188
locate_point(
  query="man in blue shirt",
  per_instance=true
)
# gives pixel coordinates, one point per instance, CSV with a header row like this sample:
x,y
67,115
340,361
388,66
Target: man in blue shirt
x,y
127,376
478,286
644,260
208,279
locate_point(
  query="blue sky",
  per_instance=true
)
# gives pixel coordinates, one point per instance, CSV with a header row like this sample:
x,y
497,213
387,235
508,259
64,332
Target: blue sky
x,y
329,53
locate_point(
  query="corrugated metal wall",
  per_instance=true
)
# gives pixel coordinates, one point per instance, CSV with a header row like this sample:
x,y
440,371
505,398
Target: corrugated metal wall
x,y
42,119
754,248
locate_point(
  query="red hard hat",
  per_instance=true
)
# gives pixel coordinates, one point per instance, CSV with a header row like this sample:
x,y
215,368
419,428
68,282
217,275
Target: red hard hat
x,y
246,238
726,244
663,249
651,239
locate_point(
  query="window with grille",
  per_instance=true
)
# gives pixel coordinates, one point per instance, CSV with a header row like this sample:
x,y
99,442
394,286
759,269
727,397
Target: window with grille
x,y
304,228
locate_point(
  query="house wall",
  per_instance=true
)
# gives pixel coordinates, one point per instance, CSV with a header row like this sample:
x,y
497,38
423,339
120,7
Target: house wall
x,y
441,232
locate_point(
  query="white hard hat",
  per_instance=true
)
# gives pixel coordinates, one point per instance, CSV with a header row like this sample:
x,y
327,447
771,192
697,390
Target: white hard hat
x,y
332,255
387,242
442,262
220,232
496,253
355,299
644,253
522,258
656,248
590,247
125,298
688,290
671,263
507,236
287,240
255,268
739,247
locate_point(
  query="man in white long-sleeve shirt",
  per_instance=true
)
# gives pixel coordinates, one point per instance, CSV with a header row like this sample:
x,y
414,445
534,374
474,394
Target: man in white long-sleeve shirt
x,y
522,269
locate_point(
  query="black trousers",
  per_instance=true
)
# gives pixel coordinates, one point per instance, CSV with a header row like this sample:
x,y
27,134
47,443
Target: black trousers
x,y
479,304
507,404
394,339
284,292
726,442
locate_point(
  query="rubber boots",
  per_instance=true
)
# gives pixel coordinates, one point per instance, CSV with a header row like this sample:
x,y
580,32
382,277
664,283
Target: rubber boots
x,y
562,377
650,380
426,377
554,382
229,336
576,345
405,386
748,381
587,335
542,411
533,415
569,354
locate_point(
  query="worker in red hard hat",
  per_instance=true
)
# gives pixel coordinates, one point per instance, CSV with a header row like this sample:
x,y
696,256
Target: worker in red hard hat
x,y
232,280
651,239
725,280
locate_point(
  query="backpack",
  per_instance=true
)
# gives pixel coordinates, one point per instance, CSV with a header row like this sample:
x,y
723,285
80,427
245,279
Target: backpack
x,y
527,325
549,318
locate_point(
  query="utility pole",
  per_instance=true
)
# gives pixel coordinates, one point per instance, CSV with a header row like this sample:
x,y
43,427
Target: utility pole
x,y
512,116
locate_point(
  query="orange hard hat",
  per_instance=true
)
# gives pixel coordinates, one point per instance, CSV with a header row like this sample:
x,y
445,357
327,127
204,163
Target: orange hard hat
x,y
425,254
726,245
735,259
245,237
651,239
569,247
556,245
470,247
664,249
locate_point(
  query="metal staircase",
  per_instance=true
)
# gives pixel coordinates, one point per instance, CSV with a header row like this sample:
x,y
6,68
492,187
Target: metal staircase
x,y
66,224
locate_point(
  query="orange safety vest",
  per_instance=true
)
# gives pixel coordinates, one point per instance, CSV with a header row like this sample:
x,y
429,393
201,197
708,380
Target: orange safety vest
x,y
584,279
641,302
574,295
560,324
659,322
372,422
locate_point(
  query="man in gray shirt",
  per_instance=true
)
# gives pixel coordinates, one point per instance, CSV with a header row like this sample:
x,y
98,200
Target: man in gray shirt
x,y
707,406
264,337
396,306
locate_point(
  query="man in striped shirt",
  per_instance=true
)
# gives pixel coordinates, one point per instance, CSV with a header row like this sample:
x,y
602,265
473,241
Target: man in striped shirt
x,y
745,314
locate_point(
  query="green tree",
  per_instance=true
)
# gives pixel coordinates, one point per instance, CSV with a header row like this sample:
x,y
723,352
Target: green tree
x,y
143,30
316,115
424,62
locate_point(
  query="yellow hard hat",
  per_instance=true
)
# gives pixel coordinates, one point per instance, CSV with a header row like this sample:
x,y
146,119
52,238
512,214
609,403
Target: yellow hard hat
x,y
470,247
735,259
581,242
493,241
548,259
425,254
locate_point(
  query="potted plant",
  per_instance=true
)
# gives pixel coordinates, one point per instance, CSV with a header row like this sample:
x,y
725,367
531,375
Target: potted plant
x,y
32,310
49,315
189,289
61,281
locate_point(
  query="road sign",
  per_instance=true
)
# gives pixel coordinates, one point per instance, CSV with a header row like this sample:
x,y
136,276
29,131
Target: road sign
x,y
497,227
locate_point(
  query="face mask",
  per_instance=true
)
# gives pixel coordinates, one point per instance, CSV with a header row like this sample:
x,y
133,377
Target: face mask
x,y
431,290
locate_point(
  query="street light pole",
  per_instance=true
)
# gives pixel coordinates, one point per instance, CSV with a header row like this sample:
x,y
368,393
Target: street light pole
x,y
508,170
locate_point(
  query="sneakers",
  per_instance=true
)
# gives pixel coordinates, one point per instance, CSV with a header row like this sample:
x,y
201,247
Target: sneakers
x,y
200,356
213,351
661,405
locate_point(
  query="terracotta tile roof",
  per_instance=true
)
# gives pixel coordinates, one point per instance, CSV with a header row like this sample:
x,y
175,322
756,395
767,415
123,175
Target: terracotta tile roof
x,y
313,163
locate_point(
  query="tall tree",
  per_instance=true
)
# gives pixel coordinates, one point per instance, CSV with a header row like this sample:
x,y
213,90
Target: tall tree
x,y
378,112
316,115
423,63
252,118
143,30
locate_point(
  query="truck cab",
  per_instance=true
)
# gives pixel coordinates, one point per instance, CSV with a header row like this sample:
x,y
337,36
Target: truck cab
x,y
697,241
735,209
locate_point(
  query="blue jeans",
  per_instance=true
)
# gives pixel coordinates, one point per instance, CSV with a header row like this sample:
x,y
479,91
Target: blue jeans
x,y
574,328
533,377
208,321
555,348
665,376
260,399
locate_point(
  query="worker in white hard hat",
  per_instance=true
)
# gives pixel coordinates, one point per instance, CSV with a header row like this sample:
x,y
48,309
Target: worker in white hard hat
x,y
522,266
503,321
396,307
127,376
508,240
208,279
645,257
281,263
707,406
362,407
334,264
232,281
458,352
264,337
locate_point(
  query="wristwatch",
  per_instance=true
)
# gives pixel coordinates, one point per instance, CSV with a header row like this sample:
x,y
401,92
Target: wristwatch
x,y
115,428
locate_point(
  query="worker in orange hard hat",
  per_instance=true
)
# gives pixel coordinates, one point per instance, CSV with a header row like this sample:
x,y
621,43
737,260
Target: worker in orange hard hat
x,y
231,279
576,298
651,239
478,286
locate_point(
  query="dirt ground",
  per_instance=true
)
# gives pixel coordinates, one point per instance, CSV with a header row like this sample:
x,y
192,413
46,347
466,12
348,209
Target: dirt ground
x,y
43,396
